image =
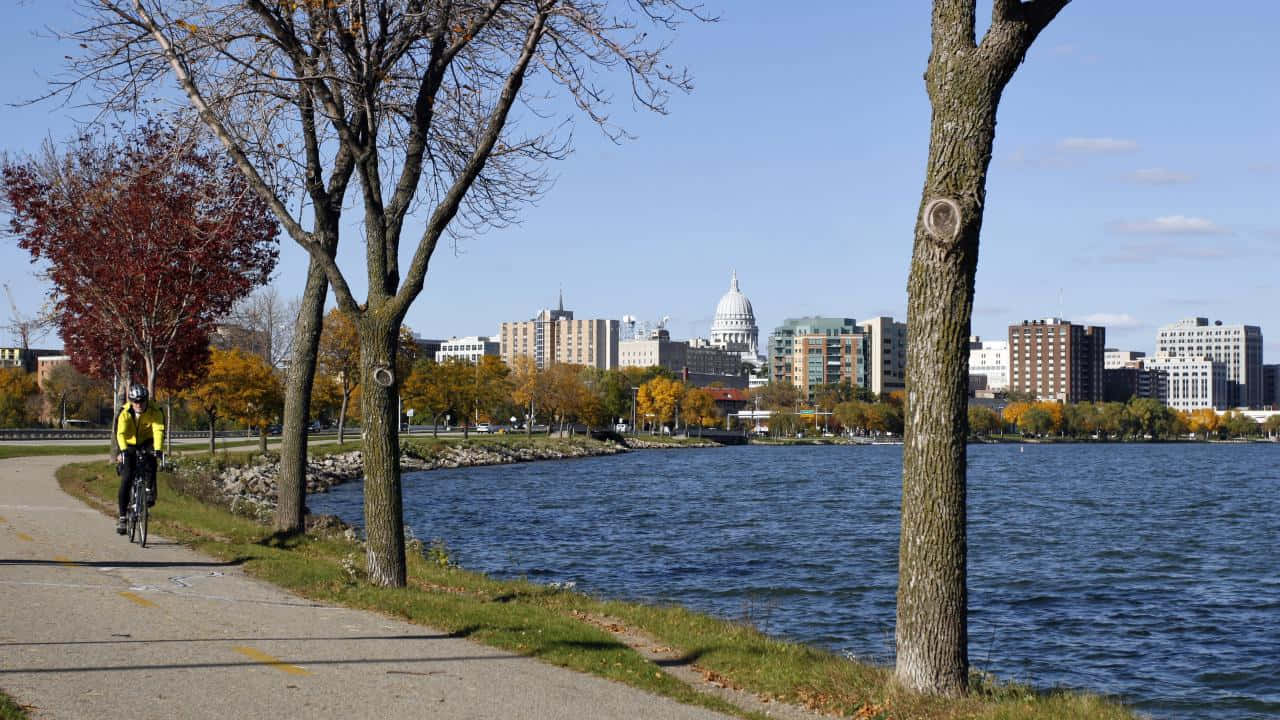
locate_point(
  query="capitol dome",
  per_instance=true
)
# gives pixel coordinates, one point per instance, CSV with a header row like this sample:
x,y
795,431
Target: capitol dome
x,y
734,327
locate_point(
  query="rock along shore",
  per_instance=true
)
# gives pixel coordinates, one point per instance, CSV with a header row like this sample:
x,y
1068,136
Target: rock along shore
x,y
252,487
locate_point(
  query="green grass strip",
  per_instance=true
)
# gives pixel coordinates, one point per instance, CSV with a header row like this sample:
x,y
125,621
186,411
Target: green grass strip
x,y
552,624
10,709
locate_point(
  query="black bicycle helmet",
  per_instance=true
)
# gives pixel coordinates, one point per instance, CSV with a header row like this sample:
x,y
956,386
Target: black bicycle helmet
x,y
137,393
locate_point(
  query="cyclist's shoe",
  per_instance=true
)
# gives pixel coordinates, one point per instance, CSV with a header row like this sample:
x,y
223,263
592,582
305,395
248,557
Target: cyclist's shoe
x,y
151,497
120,525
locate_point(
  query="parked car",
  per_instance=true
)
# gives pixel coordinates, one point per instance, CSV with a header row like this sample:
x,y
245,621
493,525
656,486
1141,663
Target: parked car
x,y
483,428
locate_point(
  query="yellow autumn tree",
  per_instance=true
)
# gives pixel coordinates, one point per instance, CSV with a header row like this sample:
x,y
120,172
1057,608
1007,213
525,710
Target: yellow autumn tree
x,y
528,387
700,408
659,399
1203,422
1054,411
18,397
1012,412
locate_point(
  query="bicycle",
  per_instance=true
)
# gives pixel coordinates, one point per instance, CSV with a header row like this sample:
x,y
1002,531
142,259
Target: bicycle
x,y
138,510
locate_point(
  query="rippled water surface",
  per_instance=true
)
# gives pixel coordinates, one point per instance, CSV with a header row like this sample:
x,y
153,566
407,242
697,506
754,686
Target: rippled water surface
x,y
1148,571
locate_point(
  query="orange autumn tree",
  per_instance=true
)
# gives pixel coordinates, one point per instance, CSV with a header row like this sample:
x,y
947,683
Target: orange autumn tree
x,y
240,387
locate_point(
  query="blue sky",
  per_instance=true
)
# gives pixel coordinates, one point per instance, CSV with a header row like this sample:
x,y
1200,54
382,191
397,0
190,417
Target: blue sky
x,y
1134,179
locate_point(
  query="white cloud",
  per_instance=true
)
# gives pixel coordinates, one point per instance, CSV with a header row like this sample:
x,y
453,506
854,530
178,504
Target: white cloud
x,y
1170,225
1159,176
1111,320
1103,145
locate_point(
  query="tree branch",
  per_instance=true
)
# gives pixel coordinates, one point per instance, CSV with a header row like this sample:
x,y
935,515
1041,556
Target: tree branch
x,y
449,205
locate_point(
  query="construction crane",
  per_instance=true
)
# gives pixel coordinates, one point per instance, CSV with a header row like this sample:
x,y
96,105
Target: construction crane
x,y
20,325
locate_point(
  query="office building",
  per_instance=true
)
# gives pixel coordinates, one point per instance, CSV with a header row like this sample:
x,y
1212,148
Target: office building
x,y
697,363
1053,359
1271,386
1114,359
1239,347
25,358
988,365
1189,383
470,349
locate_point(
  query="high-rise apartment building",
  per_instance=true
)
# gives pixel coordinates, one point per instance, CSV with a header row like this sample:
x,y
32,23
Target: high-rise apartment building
x,y
820,359
1057,360
1239,347
888,355
782,341
555,336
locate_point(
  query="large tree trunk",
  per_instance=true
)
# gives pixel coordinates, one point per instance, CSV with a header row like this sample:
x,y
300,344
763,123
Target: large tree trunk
x,y
292,487
965,81
383,503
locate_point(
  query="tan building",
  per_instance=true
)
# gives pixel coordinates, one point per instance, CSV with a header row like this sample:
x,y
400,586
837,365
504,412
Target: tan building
x,y
697,364
44,368
555,336
887,366
1057,360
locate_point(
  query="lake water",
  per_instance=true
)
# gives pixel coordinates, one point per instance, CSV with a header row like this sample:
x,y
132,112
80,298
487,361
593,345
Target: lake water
x,y
1147,571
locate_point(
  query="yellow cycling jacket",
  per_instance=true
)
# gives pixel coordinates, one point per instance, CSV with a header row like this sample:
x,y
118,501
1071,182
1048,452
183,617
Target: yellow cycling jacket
x,y
145,430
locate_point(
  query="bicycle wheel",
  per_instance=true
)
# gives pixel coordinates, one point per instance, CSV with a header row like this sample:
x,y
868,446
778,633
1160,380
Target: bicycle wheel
x,y
131,520
142,517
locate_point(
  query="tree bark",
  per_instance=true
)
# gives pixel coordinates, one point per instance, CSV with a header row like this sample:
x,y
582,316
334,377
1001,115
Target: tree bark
x,y
965,81
383,501
292,488
342,418
213,422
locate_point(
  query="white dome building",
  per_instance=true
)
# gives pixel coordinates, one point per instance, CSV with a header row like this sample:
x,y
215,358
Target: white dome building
x,y
734,327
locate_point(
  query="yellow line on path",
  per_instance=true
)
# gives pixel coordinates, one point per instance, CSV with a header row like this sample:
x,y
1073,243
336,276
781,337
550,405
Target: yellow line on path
x,y
26,537
140,600
63,561
259,656
2,520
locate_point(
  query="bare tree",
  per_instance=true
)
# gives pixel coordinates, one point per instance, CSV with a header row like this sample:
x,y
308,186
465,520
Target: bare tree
x,y
23,326
423,102
266,319
964,79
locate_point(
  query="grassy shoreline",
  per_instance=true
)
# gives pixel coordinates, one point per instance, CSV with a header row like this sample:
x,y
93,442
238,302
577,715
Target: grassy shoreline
x,y
574,630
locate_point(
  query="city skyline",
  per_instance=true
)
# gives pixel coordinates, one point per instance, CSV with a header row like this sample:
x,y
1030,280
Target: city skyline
x,y
1129,186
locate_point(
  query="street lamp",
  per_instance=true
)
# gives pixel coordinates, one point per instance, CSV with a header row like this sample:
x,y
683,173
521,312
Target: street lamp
x,y
634,391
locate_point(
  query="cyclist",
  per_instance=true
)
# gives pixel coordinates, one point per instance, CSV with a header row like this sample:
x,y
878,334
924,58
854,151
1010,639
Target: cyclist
x,y
138,427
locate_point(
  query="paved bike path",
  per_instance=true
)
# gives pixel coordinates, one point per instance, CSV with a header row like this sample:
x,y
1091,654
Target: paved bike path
x,y
92,626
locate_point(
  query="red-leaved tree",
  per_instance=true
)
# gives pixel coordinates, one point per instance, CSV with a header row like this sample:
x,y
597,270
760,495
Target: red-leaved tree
x,y
149,240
